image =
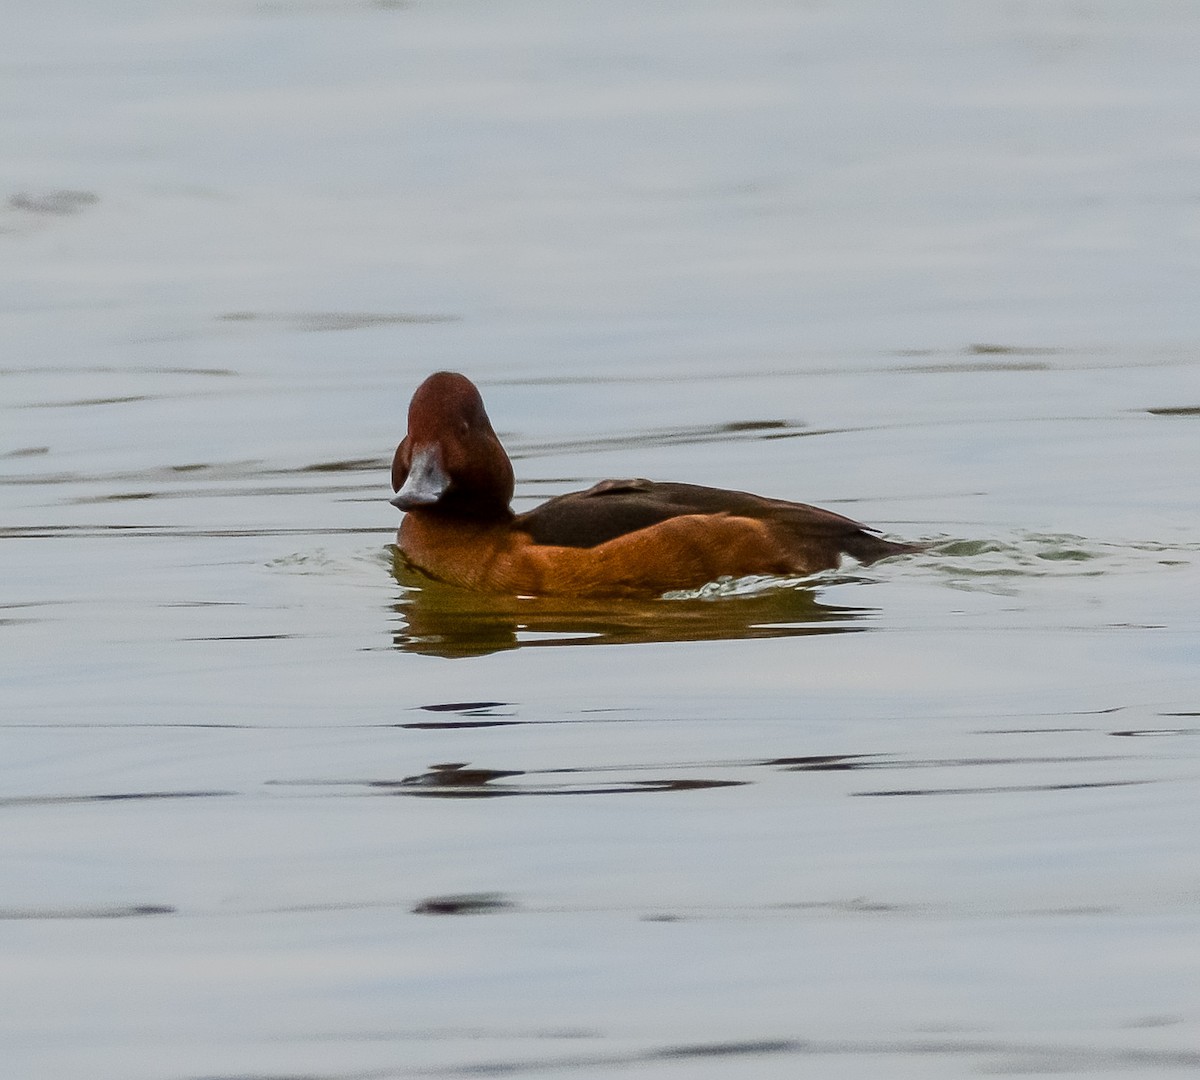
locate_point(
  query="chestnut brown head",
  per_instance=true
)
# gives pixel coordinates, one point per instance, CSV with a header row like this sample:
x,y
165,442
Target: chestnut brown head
x,y
451,459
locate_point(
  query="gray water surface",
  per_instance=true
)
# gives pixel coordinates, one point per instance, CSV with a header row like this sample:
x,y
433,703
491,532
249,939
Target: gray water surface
x,y
276,806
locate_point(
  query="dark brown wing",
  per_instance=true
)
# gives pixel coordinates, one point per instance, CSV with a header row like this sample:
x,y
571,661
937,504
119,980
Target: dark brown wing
x,y
617,507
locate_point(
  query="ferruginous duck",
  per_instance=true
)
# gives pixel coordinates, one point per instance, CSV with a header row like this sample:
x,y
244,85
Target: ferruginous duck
x,y
620,538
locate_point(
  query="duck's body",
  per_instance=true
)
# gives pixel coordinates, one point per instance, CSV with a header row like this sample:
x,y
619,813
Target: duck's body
x,y
618,538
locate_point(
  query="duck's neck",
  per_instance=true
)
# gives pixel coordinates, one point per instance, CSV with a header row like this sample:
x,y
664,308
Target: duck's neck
x,y
468,512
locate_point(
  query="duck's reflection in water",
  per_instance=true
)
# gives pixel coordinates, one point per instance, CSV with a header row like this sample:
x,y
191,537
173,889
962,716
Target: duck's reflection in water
x,y
439,620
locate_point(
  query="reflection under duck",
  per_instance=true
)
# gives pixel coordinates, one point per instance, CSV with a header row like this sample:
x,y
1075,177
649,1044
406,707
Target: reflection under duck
x,y
440,620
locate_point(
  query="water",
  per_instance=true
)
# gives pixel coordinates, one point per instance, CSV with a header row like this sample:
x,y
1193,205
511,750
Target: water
x,y
276,806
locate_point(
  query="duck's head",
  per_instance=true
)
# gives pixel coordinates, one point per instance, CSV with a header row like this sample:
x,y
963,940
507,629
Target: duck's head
x,y
451,459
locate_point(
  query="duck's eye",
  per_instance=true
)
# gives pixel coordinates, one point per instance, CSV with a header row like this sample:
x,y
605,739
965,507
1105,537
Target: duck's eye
x,y
464,427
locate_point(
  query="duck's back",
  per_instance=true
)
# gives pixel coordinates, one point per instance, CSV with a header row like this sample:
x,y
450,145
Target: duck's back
x,y
618,508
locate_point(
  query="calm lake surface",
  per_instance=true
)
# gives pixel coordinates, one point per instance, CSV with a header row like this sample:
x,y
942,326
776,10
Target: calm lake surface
x,y
273,806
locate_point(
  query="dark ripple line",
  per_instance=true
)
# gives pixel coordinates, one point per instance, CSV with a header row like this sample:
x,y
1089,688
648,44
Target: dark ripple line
x,y
104,532
130,912
738,431
487,791
123,796
1044,1057
1004,788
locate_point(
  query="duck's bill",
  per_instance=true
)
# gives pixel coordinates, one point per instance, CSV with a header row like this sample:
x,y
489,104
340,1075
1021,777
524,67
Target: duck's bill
x,y
426,482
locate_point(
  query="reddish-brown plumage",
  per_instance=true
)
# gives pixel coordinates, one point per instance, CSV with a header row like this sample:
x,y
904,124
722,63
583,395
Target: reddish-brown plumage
x,y
620,538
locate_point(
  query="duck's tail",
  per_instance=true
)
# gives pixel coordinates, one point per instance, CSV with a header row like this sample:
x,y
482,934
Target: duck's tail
x,y
868,548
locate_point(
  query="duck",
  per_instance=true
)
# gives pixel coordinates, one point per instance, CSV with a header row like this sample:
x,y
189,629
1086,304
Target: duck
x,y
631,538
